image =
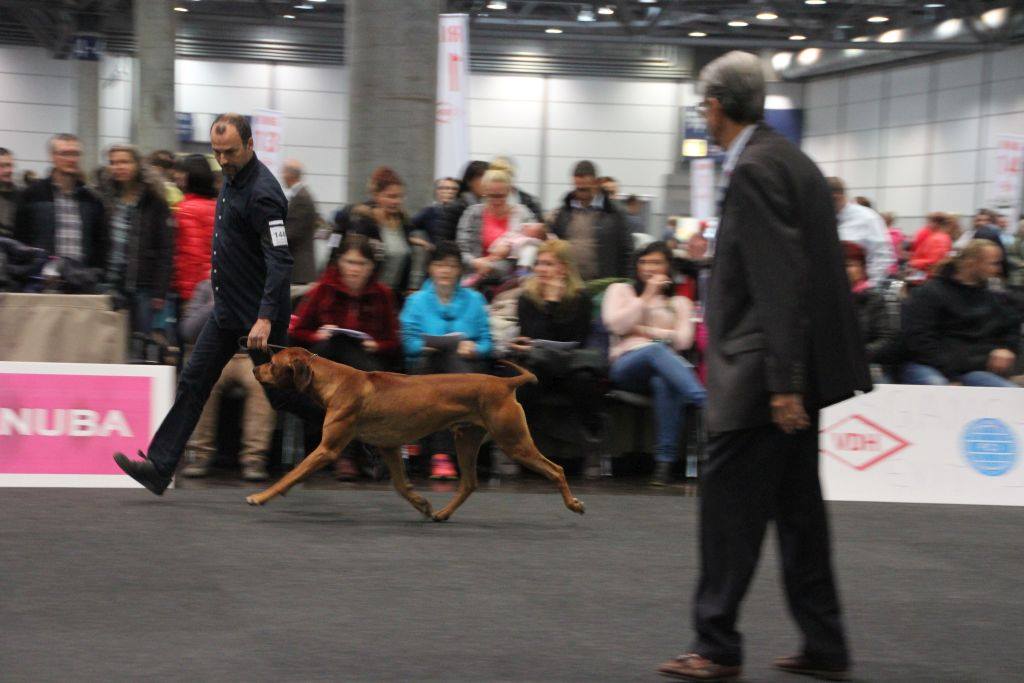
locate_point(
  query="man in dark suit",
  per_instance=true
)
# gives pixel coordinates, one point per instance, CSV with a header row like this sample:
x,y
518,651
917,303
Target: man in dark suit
x,y
783,344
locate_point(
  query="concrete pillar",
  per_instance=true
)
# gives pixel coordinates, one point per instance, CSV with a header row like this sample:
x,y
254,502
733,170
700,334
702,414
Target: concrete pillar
x,y
391,51
87,126
153,122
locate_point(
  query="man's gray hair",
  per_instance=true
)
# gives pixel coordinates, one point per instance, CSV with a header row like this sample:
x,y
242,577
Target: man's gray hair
x,y
736,79
62,137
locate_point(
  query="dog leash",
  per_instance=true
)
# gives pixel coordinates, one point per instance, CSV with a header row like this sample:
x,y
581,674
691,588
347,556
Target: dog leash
x,y
243,345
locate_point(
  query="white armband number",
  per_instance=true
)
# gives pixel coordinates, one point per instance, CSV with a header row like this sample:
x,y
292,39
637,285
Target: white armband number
x,y
278,236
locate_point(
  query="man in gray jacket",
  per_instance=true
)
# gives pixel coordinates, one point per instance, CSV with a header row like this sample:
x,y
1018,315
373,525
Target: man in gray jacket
x,y
301,224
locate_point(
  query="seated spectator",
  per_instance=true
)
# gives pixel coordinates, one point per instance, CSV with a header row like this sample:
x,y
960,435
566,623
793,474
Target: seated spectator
x,y
877,328
634,214
957,329
470,193
141,255
162,161
384,221
934,219
1016,257
517,195
554,306
195,218
649,327
862,225
899,241
935,245
985,227
428,219
59,214
301,223
595,226
8,193
349,318
258,418
445,329
496,234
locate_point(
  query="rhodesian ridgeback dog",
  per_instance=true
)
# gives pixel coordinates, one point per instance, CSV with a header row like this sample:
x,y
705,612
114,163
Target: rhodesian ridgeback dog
x,y
386,410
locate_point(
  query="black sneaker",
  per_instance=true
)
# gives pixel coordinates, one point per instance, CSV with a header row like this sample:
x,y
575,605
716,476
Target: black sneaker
x,y
662,474
144,472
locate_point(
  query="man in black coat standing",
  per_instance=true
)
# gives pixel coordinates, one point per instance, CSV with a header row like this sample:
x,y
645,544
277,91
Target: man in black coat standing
x,y
251,270
783,344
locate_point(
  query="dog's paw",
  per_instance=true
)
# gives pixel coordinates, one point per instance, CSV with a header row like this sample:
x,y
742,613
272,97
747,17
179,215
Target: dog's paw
x,y
424,507
254,499
577,506
440,516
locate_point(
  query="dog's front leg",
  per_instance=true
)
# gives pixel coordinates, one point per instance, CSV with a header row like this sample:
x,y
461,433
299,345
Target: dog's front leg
x,y
393,459
335,437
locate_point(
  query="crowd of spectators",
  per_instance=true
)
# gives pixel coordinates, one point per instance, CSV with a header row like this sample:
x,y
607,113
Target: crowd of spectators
x,y
575,294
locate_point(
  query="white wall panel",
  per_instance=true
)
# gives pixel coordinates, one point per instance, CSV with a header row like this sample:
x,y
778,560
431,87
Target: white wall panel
x,y
861,144
35,60
822,92
955,136
862,115
497,87
311,78
822,148
1008,63
958,103
859,173
906,140
905,201
38,118
905,171
953,168
908,109
611,145
957,199
821,121
611,117
505,113
35,89
315,105
1007,97
605,91
863,87
316,132
954,73
909,80
215,99
487,142
224,74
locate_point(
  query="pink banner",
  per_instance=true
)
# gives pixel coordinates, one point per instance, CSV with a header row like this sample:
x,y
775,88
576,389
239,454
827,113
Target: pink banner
x,y
71,424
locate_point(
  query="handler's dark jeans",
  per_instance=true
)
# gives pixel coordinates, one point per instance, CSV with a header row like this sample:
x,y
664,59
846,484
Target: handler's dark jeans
x,y
213,349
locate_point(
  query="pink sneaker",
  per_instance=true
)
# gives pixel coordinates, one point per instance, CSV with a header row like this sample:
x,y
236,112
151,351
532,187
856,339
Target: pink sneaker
x,y
441,467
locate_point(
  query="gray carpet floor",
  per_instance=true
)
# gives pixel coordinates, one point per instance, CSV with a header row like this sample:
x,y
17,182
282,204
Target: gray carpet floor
x,y
353,585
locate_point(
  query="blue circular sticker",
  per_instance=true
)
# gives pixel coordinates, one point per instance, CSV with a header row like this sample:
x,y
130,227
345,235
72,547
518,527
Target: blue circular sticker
x,y
990,447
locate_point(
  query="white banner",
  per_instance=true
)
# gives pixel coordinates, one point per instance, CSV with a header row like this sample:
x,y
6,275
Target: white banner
x,y
267,137
918,444
702,188
451,132
1009,176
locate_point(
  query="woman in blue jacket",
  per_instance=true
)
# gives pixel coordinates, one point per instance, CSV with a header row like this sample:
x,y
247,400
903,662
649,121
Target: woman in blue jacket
x,y
445,329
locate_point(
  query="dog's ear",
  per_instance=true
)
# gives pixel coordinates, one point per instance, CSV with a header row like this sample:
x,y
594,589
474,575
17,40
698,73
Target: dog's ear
x,y
301,374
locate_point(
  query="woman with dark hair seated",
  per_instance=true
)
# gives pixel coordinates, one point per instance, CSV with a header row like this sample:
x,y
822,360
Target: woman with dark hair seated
x,y
649,327
349,318
877,327
195,216
555,307
445,329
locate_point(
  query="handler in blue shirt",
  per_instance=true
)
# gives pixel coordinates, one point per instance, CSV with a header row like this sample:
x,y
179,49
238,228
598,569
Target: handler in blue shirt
x,y
251,272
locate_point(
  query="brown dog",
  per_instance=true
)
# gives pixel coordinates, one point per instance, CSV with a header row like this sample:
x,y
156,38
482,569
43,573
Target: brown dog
x,y
387,410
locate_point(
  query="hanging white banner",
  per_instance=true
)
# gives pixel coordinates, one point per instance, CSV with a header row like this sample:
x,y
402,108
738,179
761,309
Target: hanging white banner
x,y
267,138
1006,190
451,138
702,188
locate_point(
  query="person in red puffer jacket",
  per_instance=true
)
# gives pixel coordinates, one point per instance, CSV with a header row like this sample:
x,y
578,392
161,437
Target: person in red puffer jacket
x,y
349,318
195,215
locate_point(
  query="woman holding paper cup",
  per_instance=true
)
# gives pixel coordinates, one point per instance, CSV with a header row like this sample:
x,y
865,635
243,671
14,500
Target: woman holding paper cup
x,y
445,329
649,326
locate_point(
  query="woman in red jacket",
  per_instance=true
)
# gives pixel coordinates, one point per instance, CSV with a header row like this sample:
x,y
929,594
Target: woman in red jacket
x,y
349,318
195,226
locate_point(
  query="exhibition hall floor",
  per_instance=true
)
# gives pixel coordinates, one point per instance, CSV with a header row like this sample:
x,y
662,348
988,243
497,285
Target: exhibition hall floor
x,y
350,583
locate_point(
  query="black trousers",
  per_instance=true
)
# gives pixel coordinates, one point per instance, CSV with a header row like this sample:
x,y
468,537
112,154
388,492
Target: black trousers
x,y
750,477
212,351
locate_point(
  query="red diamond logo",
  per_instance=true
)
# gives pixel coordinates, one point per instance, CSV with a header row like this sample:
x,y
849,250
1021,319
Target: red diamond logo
x,y
859,443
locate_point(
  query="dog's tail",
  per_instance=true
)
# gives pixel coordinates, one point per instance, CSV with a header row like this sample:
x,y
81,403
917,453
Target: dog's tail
x,y
524,376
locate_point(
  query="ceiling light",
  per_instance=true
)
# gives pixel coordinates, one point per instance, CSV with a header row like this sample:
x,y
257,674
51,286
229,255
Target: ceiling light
x,y
497,4
318,0
934,5
181,9
606,10
738,24
814,2
853,52
808,56
288,16
844,27
782,60
767,16
552,30
994,18
893,36
949,28
647,2
586,15
878,19
304,6
798,37
861,39
698,34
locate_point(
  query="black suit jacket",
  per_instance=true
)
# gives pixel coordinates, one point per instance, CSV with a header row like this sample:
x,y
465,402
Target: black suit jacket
x,y
36,221
780,313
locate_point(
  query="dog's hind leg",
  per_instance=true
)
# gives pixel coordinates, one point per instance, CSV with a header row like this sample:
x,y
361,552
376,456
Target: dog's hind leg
x,y
335,437
467,446
507,425
393,459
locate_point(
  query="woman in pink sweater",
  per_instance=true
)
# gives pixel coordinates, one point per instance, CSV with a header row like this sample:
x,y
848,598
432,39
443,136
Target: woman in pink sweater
x,y
648,328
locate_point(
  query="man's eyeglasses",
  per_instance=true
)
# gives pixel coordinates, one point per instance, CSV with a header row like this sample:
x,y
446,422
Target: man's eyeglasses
x,y
68,153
